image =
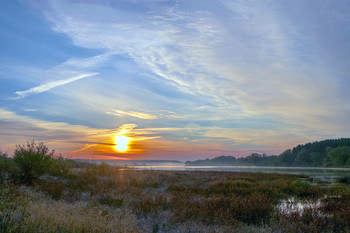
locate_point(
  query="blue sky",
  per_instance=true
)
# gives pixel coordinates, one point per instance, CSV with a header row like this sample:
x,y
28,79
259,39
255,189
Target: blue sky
x,y
182,79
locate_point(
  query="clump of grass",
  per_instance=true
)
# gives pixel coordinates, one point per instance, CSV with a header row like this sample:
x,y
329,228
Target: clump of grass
x,y
338,207
102,170
235,187
11,200
53,188
309,221
301,188
252,209
7,168
343,179
111,201
150,204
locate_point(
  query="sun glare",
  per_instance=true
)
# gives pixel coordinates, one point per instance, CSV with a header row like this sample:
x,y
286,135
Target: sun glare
x,y
121,143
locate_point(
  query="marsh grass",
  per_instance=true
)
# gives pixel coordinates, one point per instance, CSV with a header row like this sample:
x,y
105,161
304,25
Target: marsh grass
x,y
102,198
7,168
36,213
344,179
111,201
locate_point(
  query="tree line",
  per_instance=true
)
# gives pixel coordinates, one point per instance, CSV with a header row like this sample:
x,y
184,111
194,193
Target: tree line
x,y
326,153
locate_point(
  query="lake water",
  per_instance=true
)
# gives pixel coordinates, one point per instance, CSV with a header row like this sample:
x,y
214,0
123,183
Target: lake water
x,y
310,171
293,205
321,172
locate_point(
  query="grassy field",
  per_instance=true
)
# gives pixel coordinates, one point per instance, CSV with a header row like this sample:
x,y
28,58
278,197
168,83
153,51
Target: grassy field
x,y
101,198
41,192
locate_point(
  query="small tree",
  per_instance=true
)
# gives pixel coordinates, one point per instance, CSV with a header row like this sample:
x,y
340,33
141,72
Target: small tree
x,y
33,159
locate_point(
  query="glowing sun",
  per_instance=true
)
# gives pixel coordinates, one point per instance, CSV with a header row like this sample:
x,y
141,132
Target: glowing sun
x,y
121,143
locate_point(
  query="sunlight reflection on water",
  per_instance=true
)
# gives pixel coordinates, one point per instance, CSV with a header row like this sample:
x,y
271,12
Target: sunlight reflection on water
x,y
292,205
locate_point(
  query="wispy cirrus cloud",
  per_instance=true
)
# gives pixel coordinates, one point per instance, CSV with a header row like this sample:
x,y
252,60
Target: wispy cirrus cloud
x,y
139,115
50,85
253,65
161,114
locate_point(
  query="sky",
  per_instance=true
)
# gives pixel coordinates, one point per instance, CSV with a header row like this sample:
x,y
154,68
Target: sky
x,y
173,79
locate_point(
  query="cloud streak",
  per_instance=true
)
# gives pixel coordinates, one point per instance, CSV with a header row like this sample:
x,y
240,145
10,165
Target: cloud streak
x,y
50,85
139,115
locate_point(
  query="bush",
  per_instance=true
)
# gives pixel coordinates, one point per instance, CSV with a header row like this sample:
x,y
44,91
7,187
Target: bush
x,y
33,160
60,166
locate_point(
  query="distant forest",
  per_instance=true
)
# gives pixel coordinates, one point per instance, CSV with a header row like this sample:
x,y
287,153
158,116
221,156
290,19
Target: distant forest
x,y
327,153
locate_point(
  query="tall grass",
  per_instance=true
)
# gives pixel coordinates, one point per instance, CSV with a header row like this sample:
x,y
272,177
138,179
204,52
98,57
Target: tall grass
x,y
7,168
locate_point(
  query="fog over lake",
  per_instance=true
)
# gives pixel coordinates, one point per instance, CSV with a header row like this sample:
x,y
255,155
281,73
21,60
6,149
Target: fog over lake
x,y
180,166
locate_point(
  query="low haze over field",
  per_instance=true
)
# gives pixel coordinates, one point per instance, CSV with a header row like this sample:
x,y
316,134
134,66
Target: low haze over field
x,y
173,79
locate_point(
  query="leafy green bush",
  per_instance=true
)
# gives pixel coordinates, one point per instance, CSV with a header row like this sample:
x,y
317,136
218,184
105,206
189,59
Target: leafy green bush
x,y
33,159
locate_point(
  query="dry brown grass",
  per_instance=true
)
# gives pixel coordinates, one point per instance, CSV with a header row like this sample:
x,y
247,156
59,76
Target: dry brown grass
x,y
111,199
37,213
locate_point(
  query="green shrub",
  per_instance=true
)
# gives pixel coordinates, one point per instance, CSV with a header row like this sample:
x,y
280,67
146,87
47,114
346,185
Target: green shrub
x,y
60,166
33,159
